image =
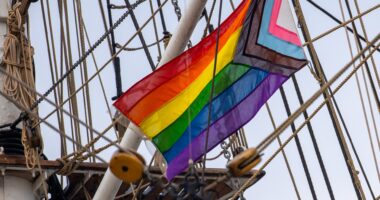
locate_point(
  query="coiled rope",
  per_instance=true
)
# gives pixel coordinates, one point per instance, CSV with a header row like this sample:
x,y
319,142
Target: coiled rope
x,y
17,60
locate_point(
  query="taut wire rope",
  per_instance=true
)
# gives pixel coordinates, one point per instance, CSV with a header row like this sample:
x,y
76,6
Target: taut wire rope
x,y
52,70
362,103
99,76
212,91
328,14
209,19
90,134
286,123
57,107
155,31
299,147
367,69
366,38
343,24
312,136
283,154
332,110
44,121
102,134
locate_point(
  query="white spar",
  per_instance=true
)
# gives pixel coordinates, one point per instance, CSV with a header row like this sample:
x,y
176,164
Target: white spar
x,y
132,138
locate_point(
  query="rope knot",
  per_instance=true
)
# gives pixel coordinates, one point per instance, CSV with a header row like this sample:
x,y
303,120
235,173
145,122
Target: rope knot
x,y
68,166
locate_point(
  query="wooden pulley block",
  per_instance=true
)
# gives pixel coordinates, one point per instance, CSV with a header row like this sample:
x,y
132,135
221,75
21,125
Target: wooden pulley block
x,y
244,162
138,156
127,166
33,140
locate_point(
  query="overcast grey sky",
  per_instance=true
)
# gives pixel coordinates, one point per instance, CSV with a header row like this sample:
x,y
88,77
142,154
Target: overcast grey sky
x,y
333,53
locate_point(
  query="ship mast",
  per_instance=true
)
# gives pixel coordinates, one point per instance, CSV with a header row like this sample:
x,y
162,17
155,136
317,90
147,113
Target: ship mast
x,y
132,138
12,185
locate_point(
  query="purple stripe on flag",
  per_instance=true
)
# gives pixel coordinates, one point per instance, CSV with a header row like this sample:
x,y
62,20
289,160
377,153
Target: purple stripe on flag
x,y
227,124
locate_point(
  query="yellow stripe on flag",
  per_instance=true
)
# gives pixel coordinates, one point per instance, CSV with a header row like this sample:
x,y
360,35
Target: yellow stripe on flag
x,y
174,108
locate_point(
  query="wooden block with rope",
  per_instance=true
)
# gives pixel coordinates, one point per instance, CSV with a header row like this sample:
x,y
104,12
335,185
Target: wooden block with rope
x,y
127,166
244,162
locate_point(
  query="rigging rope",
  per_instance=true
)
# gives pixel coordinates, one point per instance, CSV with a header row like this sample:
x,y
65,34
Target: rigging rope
x,y
314,140
42,175
67,52
86,92
304,107
283,153
209,19
113,6
376,96
232,5
330,106
164,29
212,91
59,107
338,21
104,20
155,32
141,37
100,78
116,61
18,62
56,98
209,26
368,71
29,112
139,48
299,147
363,107
83,57
366,37
343,24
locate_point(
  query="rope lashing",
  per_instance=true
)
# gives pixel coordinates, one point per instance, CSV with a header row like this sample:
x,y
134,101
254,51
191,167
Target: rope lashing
x,y
68,166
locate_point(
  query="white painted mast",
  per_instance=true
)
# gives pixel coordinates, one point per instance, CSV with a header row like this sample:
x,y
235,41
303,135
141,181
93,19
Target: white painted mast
x,y
132,138
11,187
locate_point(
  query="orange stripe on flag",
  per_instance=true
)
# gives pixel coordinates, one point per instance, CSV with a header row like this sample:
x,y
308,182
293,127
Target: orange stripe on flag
x,y
155,99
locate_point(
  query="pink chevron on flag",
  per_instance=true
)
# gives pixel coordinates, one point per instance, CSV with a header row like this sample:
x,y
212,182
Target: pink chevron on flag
x,y
283,30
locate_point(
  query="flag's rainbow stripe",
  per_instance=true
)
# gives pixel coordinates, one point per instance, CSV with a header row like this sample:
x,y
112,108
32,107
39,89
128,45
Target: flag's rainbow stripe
x,y
139,104
172,105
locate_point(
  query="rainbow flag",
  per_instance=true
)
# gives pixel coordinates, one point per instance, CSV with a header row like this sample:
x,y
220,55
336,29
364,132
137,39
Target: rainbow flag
x,y
258,50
